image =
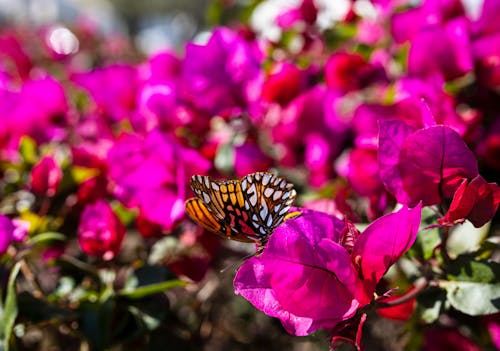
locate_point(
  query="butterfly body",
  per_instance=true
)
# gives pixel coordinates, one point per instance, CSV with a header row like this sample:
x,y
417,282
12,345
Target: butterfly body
x,y
246,209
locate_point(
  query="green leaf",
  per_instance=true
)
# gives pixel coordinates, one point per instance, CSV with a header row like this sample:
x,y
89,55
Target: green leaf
x,y
473,286
27,149
473,298
146,290
45,237
9,310
430,303
81,174
95,320
428,239
466,238
150,322
465,269
224,160
162,249
40,311
126,215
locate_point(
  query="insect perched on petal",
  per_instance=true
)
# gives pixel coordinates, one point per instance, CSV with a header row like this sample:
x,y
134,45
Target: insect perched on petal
x,y
246,209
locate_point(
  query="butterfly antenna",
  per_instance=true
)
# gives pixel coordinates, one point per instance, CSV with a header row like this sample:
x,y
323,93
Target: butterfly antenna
x,y
238,262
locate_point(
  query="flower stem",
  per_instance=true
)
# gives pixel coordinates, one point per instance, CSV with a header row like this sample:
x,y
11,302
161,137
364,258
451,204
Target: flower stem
x,y
445,234
419,286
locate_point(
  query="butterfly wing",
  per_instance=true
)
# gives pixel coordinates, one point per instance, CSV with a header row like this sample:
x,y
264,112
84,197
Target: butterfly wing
x,y
224,201
268,199
246,210
199,213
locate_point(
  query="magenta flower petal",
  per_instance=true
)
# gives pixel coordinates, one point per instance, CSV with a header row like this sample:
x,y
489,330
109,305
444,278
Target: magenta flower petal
x,y
432,163
452,57
392,136
424,166
384,242
218,76
100,231
113,89
476,200
46,176
485,51
7,229
249,158
253,283
152,173
304,276
321,287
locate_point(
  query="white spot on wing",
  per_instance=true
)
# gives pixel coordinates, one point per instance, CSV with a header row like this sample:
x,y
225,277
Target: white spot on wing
x,y
277,195
284,210
269,221
263,211
253,198
215,186
206,198
266,178
268,192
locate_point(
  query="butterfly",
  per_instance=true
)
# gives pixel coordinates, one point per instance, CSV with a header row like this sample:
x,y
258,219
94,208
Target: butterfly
x,y
247,209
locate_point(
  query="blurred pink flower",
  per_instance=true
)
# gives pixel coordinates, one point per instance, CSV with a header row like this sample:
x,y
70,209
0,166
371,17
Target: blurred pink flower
x,y
488,149
316,272
428,91
309,131
92,189
152,173
100,231
451,58
406,24
112,88
146,228
39,109
285,81
21,229
222,76
249,158
161,67
438,338
46,176
347,72
487,23
306,12
493,324
487,59
12,54
361,171
7,229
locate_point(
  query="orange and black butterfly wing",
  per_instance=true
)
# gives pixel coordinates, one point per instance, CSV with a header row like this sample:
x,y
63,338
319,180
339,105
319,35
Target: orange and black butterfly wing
x,y
198,212
248,209
222,200
226,201
267,200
